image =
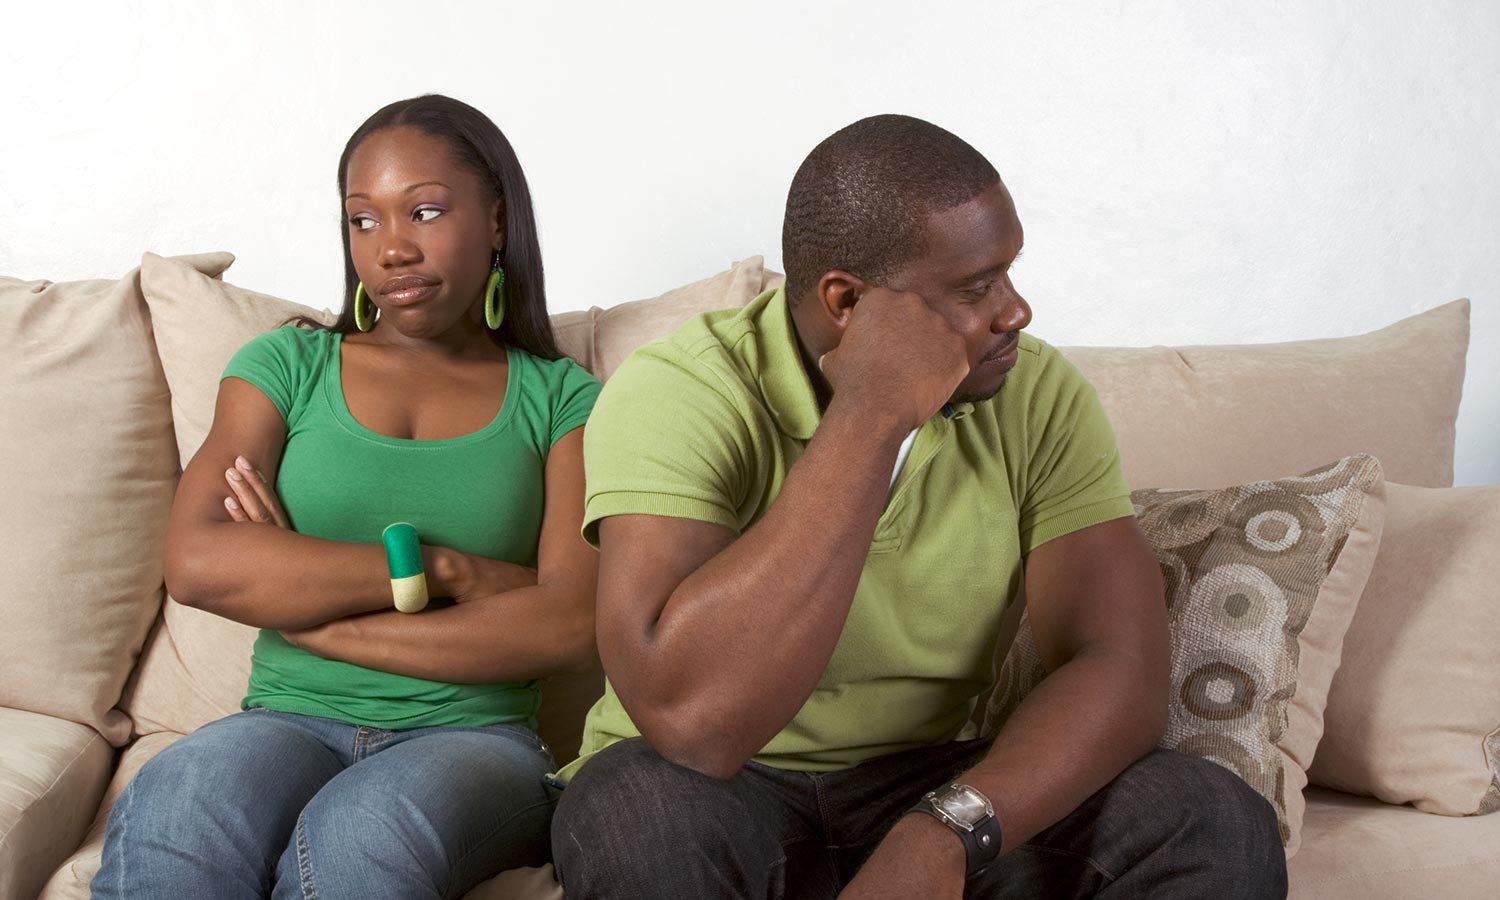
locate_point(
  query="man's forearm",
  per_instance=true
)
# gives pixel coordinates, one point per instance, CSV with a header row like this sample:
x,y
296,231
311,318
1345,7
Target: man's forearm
x,y
742,641
1082,726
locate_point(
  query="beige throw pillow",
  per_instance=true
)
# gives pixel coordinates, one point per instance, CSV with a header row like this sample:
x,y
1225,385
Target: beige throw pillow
x,y
1209,417
1414,711
1261,582
88,472
196,665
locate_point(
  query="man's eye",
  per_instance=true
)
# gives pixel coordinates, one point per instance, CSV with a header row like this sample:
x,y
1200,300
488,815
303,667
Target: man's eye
x,y
427,214
978,290
362,223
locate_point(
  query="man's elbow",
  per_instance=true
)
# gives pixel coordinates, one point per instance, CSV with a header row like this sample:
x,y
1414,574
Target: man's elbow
x,y
696,742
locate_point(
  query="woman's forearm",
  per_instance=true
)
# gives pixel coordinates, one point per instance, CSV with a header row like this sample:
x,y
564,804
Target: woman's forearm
x,y
529,632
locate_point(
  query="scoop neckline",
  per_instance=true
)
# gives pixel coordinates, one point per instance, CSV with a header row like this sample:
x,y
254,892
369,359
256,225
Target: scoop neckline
x,y
334,388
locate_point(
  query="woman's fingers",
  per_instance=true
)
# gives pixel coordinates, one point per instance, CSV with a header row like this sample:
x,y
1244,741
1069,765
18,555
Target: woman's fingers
x,y
243,495
263,492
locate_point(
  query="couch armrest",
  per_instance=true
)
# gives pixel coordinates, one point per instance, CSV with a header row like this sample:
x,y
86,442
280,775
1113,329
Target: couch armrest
x,y
52,774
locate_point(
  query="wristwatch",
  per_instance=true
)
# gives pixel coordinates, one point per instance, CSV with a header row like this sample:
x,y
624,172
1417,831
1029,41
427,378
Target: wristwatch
x,y
971,816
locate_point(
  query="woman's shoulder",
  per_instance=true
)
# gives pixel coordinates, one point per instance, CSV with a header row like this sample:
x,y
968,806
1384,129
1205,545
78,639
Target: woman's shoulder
x,y
290,340
563,373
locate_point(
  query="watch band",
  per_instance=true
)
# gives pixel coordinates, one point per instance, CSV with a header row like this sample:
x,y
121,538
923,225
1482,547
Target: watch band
x,y
981,842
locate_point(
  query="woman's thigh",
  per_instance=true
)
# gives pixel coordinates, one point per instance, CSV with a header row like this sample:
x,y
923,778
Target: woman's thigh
x,y
430,814
211,814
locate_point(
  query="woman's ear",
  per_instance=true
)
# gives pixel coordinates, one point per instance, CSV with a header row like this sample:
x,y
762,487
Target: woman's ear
x,y
499,219
837,293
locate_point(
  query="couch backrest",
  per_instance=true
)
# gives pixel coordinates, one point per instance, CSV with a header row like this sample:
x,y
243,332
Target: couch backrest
x,y
1194,417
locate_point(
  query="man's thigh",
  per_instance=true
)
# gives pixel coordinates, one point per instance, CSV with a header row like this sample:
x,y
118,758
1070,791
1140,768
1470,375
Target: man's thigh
x,y
631,824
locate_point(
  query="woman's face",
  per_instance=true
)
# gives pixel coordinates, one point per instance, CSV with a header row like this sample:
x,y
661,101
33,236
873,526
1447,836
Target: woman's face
x,y
423,231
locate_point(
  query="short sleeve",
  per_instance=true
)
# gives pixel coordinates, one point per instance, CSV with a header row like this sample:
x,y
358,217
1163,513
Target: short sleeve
x,y
273,363
666,439
1073,477
573,400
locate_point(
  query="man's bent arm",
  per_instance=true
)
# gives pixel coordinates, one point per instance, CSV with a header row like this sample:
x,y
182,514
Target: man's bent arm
x,y
713,642
1096,606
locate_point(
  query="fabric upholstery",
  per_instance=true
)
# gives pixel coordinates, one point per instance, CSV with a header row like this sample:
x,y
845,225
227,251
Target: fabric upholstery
x,y
1207,417
1414,711
85,506
1261,582
52,773
1355,848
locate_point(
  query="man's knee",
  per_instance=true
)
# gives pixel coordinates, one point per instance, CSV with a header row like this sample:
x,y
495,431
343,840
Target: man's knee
x,y
1209,814
627,816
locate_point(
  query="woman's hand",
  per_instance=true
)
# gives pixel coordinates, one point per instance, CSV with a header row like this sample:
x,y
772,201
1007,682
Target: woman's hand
x,y
251,498
465,576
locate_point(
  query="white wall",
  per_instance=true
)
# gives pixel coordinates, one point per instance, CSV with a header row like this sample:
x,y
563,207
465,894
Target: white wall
x,y
1192,172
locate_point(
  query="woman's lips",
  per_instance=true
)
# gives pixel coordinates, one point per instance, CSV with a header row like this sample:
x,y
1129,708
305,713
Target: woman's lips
x,y
407,290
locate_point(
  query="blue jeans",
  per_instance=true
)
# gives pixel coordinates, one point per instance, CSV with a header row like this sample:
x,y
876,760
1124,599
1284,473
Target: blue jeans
x,y
270,804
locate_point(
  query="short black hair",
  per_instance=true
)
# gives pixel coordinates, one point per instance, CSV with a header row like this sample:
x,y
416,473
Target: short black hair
x,y
479,145
861,198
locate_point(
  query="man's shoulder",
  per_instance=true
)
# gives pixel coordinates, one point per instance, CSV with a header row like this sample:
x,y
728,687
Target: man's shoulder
x,y
713,350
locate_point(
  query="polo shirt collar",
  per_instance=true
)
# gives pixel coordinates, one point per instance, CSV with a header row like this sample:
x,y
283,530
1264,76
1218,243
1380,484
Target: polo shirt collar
x,y
783,379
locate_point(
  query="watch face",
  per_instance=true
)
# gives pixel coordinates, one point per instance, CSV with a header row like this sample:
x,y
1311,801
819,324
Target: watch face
x,y
966,805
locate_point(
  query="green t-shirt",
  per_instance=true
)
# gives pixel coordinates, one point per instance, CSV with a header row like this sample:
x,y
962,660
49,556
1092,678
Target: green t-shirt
x,y
480,493
705,424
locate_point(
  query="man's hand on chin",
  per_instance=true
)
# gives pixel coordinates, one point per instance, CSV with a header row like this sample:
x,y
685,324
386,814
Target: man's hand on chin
x,y
920,857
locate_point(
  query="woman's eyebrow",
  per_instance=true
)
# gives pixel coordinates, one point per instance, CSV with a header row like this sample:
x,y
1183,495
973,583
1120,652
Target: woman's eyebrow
x,y
409,188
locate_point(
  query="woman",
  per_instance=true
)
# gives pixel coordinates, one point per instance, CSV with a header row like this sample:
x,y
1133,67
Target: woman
x,y
380,752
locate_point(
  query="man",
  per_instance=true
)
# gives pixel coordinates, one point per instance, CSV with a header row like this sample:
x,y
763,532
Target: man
x,y
811,514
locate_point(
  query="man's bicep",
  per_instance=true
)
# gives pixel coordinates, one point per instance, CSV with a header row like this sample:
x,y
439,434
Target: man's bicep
x,y
643,560
1097,588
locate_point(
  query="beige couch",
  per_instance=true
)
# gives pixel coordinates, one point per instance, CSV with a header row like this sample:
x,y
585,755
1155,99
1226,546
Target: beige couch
x,y
106,387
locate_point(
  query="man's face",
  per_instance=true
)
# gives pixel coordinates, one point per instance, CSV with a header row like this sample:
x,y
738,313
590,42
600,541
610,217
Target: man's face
x,y
965,276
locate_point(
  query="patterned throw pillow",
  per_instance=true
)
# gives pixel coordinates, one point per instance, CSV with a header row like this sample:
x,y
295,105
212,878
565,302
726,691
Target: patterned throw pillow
x,y
1261,583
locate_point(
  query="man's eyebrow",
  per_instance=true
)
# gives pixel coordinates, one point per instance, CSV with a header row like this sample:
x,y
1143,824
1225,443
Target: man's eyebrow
x,y
992,270
409,188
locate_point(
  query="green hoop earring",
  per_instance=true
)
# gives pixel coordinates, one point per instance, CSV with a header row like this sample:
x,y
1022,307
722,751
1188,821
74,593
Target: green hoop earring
x,y
494,297
364,321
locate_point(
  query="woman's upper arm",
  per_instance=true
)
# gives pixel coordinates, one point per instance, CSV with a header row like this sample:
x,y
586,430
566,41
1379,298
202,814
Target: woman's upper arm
x,y
563,556
246,423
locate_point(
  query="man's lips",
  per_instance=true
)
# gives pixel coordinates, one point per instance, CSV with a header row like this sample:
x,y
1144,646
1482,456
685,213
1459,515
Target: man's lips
x,y
1005,349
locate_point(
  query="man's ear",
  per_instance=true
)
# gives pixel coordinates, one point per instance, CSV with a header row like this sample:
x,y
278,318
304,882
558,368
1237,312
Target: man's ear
x,y
836,294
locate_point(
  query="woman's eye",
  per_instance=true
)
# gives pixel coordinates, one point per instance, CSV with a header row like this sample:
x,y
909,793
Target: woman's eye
x,y
427,214
362,223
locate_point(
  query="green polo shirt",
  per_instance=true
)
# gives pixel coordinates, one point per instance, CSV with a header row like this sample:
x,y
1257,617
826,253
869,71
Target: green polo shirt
x,y
705,425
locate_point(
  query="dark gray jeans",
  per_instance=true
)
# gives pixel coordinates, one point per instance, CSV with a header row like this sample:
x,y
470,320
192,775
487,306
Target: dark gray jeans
x,y
632,825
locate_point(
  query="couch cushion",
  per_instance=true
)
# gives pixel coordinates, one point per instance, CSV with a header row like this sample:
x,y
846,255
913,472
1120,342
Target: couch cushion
x,y
1355,848
71,879
89,474
1261,582
619,330
196,664
1205,417
52,772
1414,712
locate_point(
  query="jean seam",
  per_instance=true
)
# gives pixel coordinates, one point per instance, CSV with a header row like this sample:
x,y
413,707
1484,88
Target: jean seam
x,y
304,862
1097,866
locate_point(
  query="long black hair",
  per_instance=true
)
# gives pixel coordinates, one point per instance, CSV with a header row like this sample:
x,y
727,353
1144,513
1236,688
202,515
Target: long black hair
x,y
480,146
